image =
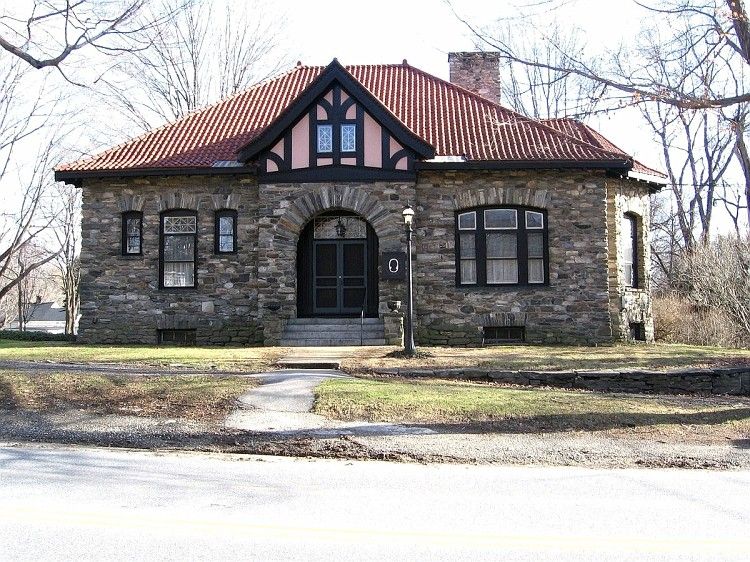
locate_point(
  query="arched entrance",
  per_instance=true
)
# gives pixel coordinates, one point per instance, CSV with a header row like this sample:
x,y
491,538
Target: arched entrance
x,y
337,267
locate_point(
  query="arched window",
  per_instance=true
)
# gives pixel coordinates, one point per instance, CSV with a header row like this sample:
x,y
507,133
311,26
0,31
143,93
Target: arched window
x,y
501,246
630,263
179,238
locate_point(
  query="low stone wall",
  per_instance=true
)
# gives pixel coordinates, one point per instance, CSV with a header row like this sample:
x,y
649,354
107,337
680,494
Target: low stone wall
x,y
723,380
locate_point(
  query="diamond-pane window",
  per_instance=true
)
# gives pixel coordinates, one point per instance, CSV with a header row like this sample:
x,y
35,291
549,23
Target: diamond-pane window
x,y
179,225
325,138
348,138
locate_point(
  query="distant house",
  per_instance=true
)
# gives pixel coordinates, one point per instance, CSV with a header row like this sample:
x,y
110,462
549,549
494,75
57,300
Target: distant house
x,y
275,216
45,317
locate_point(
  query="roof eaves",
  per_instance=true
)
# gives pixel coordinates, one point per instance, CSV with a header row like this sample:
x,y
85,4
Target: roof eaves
x,y
75,176
619,164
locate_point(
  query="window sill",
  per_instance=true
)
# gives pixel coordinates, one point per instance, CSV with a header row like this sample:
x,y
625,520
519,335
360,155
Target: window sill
x,y
130,257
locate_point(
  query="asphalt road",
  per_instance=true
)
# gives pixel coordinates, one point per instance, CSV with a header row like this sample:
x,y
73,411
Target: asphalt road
x,y
67,503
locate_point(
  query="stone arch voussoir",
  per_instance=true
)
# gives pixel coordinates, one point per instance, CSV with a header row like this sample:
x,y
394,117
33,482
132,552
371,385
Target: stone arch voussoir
x,y
325,198
502,196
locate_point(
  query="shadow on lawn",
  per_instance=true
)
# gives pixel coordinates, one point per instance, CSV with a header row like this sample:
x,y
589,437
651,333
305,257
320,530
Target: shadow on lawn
x,y
569,422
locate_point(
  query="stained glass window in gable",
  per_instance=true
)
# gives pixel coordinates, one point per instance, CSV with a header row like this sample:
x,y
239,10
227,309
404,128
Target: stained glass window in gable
x,y
325,138
348,138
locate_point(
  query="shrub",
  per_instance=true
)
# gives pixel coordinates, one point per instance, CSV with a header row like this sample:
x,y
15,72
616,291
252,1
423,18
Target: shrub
x,y
678,320
17,335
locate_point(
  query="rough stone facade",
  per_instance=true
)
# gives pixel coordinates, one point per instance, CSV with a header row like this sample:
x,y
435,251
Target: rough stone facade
x,y
247,297
573,308
629,305
120,297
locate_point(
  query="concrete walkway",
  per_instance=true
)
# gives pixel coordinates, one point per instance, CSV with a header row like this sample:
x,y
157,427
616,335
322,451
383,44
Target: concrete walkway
x,y
283,404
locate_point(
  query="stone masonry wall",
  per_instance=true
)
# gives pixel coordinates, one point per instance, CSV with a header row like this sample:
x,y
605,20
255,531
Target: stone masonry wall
x,y
574,308
628,304
284,211
247,297
120,297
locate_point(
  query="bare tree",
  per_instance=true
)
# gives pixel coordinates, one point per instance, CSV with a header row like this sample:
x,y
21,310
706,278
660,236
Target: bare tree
x,y
722,26
21,230
67,262
48,33
539,91
30,283
207,53
717,275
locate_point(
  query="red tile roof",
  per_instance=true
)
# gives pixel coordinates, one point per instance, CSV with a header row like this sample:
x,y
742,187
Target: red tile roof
x,y
581,131
453,120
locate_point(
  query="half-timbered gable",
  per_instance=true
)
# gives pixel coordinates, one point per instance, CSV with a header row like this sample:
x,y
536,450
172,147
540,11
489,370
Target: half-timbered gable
x,y
336,130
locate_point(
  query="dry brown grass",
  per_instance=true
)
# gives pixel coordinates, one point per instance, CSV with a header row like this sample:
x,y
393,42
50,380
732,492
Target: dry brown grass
x,y
464,406
199,398
549,358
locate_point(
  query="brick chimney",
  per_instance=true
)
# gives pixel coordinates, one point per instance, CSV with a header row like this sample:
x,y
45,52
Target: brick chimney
x,y
477,72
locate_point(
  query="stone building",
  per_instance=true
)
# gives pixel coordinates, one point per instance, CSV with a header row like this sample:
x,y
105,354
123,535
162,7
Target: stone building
x,y
275,216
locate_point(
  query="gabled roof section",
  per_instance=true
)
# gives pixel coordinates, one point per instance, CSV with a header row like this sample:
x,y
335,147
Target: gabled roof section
x,y
437,117
333,73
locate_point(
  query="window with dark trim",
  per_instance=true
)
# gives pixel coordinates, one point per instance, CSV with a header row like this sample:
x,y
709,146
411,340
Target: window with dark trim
x,y
132,233
501,246
630,250
177,252
225,232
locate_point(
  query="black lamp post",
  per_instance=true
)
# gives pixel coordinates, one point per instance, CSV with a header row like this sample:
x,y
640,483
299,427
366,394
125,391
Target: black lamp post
x,y
409,348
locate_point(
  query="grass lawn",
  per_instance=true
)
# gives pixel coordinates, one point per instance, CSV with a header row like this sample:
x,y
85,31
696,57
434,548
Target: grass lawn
x,y
191,397
553,358
365,359
488,407
248,359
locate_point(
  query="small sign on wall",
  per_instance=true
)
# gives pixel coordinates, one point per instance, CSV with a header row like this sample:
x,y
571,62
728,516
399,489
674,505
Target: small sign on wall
x,y
393,265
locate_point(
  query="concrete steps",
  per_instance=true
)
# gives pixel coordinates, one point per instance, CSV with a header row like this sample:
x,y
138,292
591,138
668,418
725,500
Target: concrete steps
x,y
301,332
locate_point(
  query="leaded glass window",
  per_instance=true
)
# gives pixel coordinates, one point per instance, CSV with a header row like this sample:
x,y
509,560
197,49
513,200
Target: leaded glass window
x,y
325,138
178,249
348,138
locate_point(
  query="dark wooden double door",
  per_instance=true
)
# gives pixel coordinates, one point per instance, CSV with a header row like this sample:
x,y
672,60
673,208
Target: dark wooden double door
x,y
337,277
340,277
